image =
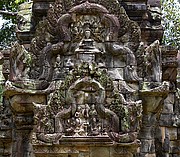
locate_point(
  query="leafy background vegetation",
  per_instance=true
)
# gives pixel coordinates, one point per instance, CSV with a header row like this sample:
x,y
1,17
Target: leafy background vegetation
x,y
8,21
170,10
171,22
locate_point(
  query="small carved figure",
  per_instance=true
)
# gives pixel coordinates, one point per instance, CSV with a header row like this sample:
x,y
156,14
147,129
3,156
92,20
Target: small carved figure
x,y
153,62
93,115
69,63
57,68
44,128
81,123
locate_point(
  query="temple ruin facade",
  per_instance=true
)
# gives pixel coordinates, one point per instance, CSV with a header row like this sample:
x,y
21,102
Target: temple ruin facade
x,y
89,78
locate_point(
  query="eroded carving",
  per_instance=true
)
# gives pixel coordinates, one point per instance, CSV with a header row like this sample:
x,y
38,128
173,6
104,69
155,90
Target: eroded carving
x,y
20,63
24,17
153,61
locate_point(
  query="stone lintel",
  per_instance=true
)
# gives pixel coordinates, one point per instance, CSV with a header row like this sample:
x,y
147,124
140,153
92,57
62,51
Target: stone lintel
x,y
75,149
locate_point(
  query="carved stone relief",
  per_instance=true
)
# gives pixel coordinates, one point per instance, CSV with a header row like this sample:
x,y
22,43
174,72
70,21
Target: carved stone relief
x,y
20,63
86,62
86,76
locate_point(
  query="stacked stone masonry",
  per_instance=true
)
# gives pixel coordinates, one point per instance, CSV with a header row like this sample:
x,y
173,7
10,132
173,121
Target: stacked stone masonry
x,y
89,79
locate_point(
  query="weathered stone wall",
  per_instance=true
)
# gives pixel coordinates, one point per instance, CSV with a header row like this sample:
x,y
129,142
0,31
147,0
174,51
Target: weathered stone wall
x,y
169,120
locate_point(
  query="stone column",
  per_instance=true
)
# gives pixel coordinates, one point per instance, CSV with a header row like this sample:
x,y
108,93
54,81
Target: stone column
x,y
5,112
22,109
153,100
5,130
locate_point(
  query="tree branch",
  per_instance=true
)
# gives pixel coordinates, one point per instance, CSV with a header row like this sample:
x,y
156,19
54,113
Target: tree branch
x,y
8,13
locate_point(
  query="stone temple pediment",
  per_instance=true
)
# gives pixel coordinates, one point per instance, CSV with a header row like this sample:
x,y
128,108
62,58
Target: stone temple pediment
x,y
88,80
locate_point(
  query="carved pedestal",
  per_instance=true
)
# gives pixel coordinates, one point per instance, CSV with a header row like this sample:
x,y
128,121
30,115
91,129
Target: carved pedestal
x,y
153,101
22,109
5,127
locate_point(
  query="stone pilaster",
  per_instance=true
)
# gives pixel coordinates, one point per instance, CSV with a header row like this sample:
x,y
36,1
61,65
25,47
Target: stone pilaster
x,y
22,109
5,129
152,107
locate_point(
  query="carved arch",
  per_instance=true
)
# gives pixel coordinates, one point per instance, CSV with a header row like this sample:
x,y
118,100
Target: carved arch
x,y
49,31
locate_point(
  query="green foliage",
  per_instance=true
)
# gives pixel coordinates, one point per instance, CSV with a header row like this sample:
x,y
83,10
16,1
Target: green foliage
x,y
7,31
7,34
171,22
